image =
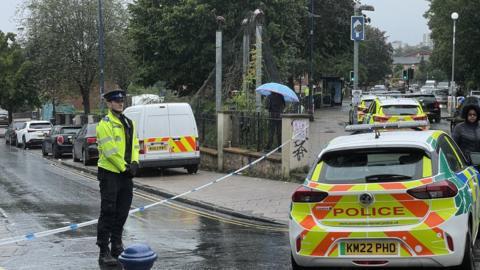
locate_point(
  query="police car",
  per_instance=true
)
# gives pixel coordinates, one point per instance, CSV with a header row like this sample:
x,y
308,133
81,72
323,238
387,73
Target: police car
x,y
392,199
365,102
390,109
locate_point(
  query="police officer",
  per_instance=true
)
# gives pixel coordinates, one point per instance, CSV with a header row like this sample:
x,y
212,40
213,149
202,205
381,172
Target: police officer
x,y
118,162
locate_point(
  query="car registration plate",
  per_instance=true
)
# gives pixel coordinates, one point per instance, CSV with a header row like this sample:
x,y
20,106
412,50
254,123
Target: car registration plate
x,y
155,148
367,248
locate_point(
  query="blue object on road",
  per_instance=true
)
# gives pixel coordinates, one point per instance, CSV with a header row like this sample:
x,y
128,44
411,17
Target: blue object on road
x,y
285,91
137,257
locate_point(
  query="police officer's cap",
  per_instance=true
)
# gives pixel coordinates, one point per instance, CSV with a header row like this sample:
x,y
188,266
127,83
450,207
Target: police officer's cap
x,y
114,95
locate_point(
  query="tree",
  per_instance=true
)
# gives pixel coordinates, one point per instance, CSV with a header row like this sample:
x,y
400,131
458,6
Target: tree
x,y
375,55
17,77
63,36
174,41
467,69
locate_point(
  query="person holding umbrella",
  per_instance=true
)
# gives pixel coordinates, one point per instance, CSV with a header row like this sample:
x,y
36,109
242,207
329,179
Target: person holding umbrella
x,y
277,94
275,107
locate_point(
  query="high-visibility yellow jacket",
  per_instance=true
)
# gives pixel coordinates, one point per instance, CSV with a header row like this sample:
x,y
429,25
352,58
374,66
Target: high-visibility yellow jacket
x,y
111,144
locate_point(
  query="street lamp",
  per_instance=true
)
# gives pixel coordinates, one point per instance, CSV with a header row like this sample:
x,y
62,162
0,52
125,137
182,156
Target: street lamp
x,y
453,90
101,53
452,83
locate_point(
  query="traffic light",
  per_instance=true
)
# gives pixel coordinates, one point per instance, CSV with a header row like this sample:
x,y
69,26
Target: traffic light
x,y
405,75
352,76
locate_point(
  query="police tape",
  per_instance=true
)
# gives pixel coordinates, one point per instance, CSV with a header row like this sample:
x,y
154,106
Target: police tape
x,y
76,226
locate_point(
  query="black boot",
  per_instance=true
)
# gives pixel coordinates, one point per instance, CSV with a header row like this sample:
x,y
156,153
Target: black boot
x,y
105,257
117,249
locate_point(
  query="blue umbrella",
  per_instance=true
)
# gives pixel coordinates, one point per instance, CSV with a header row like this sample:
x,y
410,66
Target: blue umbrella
x,y
285,91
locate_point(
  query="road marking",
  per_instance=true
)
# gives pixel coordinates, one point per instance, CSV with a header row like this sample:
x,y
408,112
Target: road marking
x,y
4,214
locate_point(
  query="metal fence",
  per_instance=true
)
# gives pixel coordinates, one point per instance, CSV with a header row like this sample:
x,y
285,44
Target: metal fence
x,y
253,130
207,129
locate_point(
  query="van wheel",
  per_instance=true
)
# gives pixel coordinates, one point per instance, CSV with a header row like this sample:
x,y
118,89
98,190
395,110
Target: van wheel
x,y
192,169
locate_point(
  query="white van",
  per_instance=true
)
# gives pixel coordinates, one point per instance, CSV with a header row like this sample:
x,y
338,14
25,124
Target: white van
x,y
168,135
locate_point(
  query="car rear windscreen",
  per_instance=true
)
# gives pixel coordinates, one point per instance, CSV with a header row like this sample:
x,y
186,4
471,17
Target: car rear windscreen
x,y
400,109
40,125
374,165
69,130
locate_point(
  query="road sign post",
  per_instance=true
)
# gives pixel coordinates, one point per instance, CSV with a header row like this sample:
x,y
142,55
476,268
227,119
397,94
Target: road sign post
x,y
357,34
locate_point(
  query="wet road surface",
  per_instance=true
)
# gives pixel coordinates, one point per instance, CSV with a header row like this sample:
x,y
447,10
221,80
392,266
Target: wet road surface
x,y
36,195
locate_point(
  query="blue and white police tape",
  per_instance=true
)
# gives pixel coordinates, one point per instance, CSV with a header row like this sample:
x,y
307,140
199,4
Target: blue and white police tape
x,y
76,226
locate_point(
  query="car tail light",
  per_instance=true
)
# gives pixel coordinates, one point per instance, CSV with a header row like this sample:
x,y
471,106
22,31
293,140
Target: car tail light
x,y
308,195
91,140
299,243
380,119
420,118
443,189
60,140
198,144
142,147
436,105
450,242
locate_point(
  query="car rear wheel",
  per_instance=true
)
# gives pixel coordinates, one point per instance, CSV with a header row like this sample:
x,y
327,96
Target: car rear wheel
x,y
468,258
24,143
44,152
192,169
75,159
55,152
85,159
295,266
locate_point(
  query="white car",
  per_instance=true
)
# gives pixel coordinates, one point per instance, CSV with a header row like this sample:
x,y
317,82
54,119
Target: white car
x,y
32,133
387,199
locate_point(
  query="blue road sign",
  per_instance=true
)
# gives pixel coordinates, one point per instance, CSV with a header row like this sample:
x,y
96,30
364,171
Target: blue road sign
x,y
357,28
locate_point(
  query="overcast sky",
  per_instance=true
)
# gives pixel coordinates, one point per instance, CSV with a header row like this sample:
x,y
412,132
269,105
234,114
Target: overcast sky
x,y
401,19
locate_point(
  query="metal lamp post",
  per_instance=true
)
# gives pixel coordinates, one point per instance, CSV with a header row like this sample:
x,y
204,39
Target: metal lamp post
x,y
452,83
453,91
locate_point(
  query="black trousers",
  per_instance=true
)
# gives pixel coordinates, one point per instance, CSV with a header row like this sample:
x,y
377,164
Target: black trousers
x,y
275,131
116,192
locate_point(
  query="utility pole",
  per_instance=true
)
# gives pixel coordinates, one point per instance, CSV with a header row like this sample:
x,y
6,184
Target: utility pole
x,y
218,65
258,17
355,56
310,73
101,53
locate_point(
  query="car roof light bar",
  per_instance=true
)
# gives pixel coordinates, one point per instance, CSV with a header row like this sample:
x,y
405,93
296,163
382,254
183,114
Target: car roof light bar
x,y
392,125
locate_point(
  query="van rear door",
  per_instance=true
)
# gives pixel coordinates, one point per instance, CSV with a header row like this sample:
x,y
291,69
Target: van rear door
x,y
183,131
156,132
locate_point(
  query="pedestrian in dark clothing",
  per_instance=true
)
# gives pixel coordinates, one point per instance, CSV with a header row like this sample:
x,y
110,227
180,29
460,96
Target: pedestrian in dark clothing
x,y
467,134
275,107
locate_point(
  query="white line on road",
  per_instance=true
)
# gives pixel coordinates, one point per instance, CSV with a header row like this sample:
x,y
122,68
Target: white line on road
x,y
3,213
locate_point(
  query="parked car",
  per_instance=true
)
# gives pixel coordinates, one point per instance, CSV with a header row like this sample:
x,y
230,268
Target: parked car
x,y
441,95
3,117
32,133
430,106
475,93
59,140
457,115
10,134
167,134
85,144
